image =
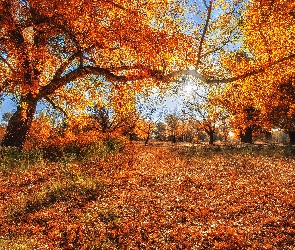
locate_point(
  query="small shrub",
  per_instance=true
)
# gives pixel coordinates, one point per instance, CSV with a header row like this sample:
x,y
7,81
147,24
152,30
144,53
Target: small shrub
x,y
74,150
113,145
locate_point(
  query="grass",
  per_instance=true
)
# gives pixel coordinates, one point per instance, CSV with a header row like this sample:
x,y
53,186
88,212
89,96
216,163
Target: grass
x,y
153,198
12,158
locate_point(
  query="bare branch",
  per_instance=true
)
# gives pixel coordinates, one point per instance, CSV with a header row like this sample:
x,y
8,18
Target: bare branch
x,y
222,43
204,2
189,72
115,4
204,33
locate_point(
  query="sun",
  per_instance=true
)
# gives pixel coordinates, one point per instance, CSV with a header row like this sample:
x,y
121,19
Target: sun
x,y
188,88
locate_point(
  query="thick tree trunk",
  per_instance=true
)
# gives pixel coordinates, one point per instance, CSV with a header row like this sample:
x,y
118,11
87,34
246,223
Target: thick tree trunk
x,y
268,135
20,124
247,136
292,137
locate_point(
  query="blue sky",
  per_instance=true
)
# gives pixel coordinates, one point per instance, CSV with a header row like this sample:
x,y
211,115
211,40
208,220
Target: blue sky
x,y
7,106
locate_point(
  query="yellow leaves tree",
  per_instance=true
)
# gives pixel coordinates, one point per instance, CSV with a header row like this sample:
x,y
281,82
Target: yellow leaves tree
x,y
263,64
46,46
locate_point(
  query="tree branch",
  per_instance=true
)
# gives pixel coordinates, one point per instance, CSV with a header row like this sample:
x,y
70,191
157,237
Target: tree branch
x,y
189,72
115,4
110,76
250,73
68,61
55,106
209,8
81,72
206,5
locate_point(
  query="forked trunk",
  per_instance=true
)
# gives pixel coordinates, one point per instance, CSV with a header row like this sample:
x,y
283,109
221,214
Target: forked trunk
x,y
247,136
292,137
20,124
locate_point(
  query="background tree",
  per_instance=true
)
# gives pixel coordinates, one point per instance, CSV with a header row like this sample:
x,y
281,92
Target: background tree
x,y
201,108
113,111
151,110
282,112
160,131
173,126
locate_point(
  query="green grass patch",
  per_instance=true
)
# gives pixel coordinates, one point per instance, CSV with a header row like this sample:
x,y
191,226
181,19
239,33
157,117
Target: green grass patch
x,y
75,189
12,158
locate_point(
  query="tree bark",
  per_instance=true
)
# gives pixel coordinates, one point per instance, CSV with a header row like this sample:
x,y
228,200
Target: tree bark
x,y
20,123
211,137
210,132
292,137
268,135
247,136
147,139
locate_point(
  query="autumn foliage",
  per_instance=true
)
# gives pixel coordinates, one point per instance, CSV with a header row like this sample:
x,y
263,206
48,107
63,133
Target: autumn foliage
x,y
86,159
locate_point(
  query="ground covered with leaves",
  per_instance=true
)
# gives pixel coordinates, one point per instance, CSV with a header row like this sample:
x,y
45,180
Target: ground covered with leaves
x,y
151,198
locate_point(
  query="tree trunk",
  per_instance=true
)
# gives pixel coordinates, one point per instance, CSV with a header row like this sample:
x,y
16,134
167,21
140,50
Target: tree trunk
x,y
247,136
20,124
174,139
147,139
292,137
268,135
210,132
211,137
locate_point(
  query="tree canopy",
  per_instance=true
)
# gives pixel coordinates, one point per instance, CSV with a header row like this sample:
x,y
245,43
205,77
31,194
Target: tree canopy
x,y
63,51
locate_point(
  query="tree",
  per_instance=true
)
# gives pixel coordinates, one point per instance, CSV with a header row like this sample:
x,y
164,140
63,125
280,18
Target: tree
x,y
112,111
48,46
200,107
282,112
173,126
151,110
262,69
160,131
7,116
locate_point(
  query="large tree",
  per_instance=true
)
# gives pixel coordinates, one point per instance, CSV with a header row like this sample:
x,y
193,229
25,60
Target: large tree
x,y
46,47
261,71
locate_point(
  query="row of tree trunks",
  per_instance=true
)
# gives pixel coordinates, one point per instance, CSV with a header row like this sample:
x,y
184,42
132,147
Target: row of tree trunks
x,y
247,136
20,123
